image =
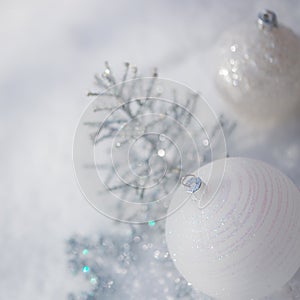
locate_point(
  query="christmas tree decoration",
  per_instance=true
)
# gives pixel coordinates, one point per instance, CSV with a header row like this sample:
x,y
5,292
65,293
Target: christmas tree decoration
x,y
131,264
137,138
258,70
133,144
239,239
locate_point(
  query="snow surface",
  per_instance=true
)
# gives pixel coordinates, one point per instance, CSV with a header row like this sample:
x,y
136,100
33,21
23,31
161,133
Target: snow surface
x,y
48,55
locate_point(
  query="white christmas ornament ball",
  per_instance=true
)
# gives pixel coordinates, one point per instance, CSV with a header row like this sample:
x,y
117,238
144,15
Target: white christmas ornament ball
x,y
244,244
258,70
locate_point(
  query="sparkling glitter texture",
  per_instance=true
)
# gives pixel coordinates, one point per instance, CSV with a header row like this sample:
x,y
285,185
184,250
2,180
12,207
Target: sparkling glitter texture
x,y
131,265
245,243
258,72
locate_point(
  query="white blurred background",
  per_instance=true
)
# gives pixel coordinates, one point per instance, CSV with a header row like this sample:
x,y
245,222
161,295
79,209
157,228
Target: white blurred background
x,y
49,53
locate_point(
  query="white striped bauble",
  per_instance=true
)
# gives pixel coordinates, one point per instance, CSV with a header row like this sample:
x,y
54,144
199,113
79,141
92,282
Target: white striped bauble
x,y
244,241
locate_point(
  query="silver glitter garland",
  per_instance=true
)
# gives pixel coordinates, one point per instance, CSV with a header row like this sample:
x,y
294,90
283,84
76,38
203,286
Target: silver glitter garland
x,y
145,137
136,264
129,266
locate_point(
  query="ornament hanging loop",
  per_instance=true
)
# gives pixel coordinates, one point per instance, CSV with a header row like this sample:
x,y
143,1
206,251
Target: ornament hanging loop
x,y
267,19
192,182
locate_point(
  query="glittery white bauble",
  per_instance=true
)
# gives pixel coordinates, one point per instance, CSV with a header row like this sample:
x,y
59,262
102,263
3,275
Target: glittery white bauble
x,y
258,72
245,243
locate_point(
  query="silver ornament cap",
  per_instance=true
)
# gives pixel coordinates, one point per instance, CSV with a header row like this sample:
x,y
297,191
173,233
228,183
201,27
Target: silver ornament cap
x,y
267,19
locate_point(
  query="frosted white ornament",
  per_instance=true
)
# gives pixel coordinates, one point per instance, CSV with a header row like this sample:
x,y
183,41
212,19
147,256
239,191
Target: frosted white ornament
x,y
244,244
258,70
